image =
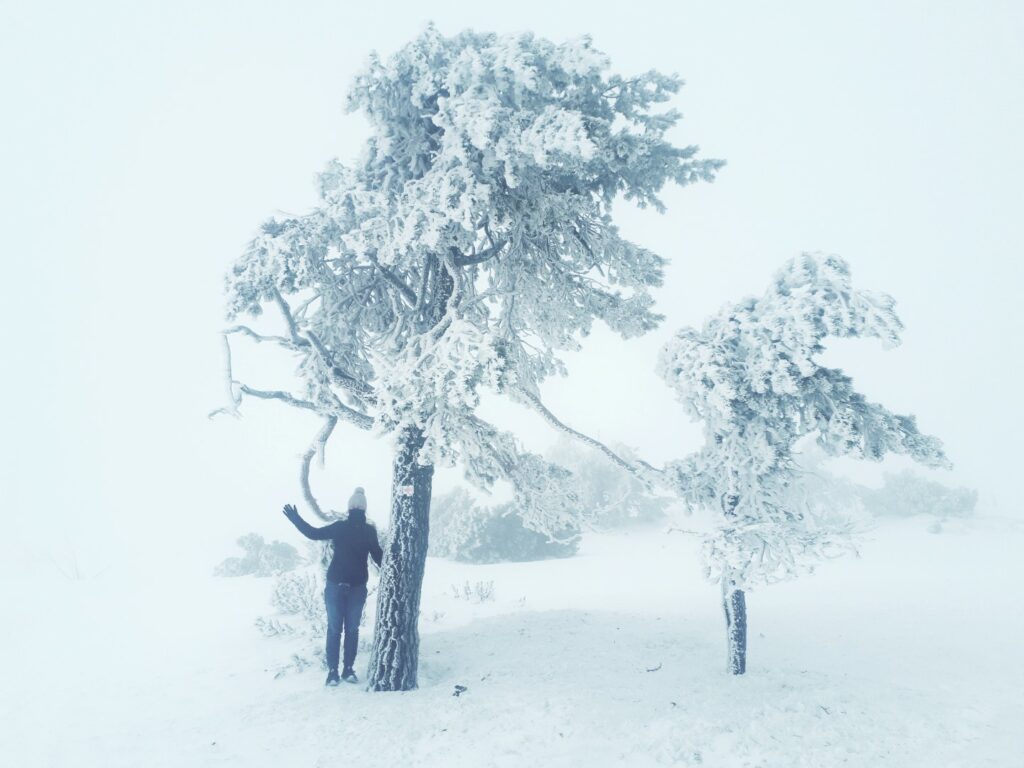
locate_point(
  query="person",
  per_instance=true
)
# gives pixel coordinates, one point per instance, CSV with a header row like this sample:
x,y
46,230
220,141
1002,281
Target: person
x,y
345,591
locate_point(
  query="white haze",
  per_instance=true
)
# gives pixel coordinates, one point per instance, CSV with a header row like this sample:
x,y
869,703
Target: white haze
x,y
142,144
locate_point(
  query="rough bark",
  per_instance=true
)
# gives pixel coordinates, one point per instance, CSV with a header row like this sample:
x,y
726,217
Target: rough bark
x,y
735,604
394,659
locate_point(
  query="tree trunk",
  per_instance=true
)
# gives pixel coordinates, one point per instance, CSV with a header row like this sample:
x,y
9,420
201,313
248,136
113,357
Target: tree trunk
x,y
394,658
735,604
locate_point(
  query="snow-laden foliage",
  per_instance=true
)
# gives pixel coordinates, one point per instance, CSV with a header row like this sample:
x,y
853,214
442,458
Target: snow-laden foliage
x,y
470,244
462,529
752,376
261,558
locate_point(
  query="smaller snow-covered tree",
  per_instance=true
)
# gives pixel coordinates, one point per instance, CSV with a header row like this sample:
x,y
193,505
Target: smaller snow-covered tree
x,y
752,376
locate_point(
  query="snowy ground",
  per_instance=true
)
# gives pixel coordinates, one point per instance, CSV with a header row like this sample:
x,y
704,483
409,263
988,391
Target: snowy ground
x,y
908,656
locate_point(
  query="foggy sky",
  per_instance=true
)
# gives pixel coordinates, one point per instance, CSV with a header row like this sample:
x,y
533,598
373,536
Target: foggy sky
x,y
143,144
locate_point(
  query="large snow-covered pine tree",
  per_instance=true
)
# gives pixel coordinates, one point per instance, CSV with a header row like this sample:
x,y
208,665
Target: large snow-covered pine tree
x,y
469,245
752,376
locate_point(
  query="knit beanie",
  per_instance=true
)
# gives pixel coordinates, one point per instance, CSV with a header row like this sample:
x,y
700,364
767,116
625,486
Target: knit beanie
x,y
358,500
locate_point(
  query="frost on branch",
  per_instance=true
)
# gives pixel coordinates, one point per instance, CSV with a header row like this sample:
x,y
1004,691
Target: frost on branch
x,y
751,375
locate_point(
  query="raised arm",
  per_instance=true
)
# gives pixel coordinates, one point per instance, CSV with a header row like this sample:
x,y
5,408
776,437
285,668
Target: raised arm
x,y
307,530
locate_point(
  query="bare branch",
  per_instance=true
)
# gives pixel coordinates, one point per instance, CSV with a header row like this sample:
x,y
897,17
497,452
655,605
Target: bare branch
x,y
334,410
233,399
278,395
259,338
316,447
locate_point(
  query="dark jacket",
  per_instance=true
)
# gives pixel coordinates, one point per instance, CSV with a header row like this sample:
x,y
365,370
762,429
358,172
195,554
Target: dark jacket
x,y
354,539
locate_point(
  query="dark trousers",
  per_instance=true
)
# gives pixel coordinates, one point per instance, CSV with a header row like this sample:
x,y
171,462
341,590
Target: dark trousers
x,y
344,609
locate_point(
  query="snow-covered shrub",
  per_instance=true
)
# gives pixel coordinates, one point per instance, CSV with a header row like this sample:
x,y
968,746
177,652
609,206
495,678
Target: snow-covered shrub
x,y
902,494
261,558
610,496
468,532
298,597
300,594
906,493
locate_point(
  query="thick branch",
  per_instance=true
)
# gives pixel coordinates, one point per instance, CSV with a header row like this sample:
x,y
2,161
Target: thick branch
x,y
462,260
641,470
343,379
395,280
293,328
428,265
233,399
277,394
358,418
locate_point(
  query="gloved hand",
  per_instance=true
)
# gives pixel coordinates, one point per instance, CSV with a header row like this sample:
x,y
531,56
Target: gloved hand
x,y
290,511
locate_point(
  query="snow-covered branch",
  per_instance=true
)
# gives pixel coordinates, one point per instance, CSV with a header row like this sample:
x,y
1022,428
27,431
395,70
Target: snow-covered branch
x,y
233,399
277,394
289,319
316,448
349,382
641,469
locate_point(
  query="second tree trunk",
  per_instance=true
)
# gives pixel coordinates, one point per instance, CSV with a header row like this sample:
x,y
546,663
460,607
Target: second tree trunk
x,y
735,604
